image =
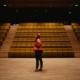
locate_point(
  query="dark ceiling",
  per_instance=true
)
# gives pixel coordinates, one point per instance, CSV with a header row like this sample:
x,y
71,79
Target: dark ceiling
x,y
39,3
15,11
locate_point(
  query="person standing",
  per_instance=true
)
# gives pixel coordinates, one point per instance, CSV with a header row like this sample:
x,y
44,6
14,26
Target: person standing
x,y
38,52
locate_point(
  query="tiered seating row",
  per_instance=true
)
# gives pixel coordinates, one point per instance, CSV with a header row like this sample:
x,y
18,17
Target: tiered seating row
x,y
47,52
40,27
40,30
41,24
76,28
60,39
4,28
45,44
43,34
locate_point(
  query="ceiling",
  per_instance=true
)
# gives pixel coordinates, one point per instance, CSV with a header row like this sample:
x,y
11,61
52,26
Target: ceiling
x,y
39,3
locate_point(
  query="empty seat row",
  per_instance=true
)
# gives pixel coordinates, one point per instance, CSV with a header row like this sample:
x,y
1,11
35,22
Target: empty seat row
x,y
26,35
5,24
48,42
75,24
44,24
3,31
44,45
39,27
42,33
76,29
4,28
44,50
47,52
23,31
43,39
78,35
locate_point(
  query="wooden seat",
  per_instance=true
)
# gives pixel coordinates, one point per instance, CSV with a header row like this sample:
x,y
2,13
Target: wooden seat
x,y
6,24
74,24
28,50
65,52
22,52
11,52
48,52
59,52
32,53
54,52
19,45
44,54
14,45
16,52
71,53
24,44
76,29
29,44
3,30
5,27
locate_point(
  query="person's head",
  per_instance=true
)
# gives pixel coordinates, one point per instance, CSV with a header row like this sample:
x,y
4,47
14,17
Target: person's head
x,y
38,35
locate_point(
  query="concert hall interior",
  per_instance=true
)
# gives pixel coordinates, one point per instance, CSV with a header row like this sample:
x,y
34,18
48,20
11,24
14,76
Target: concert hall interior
x,y
57,22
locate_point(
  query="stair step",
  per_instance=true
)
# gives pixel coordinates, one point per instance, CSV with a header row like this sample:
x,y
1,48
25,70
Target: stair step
x,y
7,42
73,39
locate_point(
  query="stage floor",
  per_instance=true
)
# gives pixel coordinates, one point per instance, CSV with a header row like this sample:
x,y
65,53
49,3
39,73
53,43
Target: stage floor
x,y
53,69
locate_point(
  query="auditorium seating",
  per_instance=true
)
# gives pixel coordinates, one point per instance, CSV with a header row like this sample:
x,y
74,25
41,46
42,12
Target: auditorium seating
x,y
76,29
54,39
4,28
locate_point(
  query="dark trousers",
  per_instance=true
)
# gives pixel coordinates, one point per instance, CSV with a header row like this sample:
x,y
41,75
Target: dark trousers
x,y
38,55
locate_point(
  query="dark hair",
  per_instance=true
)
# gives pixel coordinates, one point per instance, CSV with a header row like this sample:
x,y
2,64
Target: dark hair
x,y
38,37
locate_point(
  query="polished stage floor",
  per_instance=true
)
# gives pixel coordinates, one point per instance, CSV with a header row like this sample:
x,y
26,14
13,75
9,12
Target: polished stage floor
x,y
53,69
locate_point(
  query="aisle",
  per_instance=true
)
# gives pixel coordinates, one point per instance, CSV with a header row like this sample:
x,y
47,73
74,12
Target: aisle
x,y
7,42
73,40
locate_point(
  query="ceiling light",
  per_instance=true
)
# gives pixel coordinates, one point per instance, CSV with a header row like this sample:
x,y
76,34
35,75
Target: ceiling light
x,y
4,5
69,12
76,5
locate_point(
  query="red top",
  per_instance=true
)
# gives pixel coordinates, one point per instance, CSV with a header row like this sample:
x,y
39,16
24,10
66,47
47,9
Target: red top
x,y
38,45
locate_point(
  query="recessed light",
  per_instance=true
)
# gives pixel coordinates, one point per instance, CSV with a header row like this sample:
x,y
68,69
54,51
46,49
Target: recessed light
x,y
69,12
76,4
4,5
